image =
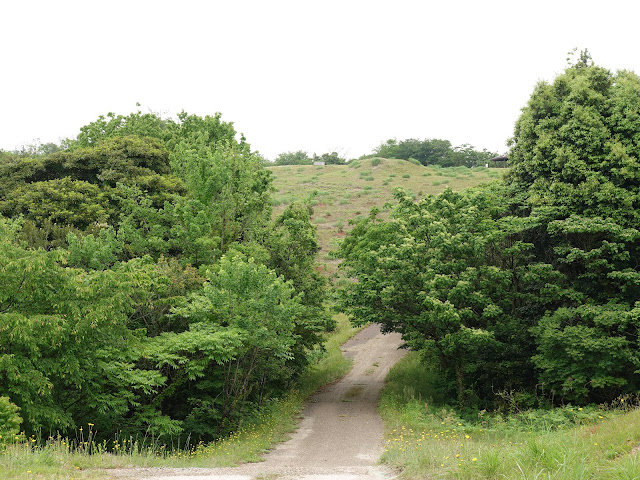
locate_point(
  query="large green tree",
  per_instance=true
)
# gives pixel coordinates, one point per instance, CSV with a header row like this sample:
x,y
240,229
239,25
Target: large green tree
x,y
455,275
530,286
575,152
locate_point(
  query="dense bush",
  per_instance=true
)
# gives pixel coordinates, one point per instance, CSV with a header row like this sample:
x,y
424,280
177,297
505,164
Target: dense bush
x,y
146,288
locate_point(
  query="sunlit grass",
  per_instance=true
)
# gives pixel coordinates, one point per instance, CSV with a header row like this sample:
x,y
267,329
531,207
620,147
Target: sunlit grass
x,y
60,458
427,439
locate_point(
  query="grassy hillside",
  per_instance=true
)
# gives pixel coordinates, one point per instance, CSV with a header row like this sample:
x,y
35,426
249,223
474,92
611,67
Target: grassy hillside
x,y
346,192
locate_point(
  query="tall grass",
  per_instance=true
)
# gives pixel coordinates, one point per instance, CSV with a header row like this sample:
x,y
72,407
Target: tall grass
x,y
428,439
60,458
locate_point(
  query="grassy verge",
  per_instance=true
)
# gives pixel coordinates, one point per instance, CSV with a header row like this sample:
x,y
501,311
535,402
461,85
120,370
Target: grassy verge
x,y
54,459
426,439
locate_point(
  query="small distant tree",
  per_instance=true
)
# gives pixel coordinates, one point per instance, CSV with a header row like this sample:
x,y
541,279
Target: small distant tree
x,y
466,155
299,157
433,151
329,158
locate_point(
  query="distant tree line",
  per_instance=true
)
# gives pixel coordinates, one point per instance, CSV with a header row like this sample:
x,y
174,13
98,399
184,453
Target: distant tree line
x,y
433,152
426,152
301,157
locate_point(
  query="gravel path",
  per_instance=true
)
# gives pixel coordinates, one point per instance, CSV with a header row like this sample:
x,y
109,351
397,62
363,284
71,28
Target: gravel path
x,y
340,435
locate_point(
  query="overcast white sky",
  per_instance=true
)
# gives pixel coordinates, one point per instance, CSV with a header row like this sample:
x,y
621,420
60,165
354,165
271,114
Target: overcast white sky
x,y
299,75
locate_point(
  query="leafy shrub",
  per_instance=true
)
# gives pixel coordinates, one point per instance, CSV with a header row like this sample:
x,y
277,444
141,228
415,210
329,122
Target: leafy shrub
x,y
10,419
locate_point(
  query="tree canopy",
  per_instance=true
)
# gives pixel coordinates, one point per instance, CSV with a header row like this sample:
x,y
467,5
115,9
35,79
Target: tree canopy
x,y
526,289
146,287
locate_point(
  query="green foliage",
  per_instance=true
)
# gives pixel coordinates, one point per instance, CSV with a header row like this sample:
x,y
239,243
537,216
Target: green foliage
x,y
292,246
114,160
293,158
249,316
230,183
118,159
74,348
61,201
210,130
111,126
574,151
56,456
10,419
80,188
66,352
588,350
574,145
103,317
528,286
329,158
447,274
433,152
94,252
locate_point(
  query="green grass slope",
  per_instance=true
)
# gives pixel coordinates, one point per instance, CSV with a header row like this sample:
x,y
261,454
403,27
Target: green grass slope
x,y
346,192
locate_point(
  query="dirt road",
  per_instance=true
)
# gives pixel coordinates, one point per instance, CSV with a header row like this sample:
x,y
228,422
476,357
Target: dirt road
x,y
340,435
